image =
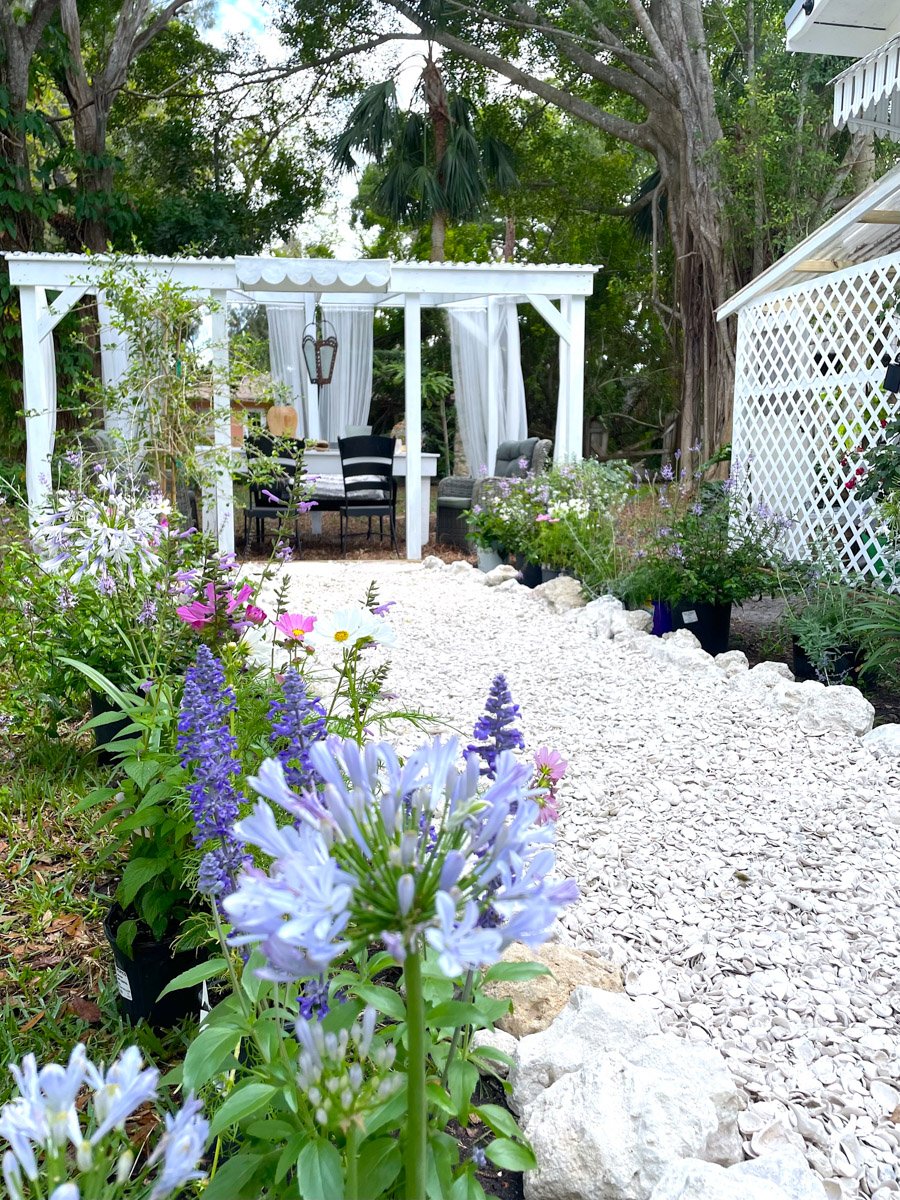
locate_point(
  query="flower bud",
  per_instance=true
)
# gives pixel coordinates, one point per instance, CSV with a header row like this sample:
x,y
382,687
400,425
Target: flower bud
x,y
347,1099
406,892
409,844
84,1156
123,1166
12,1176
321,1116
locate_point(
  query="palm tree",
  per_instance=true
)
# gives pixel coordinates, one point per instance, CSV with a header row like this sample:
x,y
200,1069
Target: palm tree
x,y
437,165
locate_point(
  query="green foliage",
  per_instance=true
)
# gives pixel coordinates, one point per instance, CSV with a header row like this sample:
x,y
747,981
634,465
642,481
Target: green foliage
x,y
825,622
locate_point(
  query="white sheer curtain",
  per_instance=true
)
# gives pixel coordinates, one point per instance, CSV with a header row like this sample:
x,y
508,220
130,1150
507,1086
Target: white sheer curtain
x,y
471,380
286,325
347,399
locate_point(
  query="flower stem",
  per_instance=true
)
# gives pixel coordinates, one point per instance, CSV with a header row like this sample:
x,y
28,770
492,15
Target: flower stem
x,y
416,1119
351,1155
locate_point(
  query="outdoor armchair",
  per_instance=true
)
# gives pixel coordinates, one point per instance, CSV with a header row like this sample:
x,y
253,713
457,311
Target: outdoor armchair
x,y
455,493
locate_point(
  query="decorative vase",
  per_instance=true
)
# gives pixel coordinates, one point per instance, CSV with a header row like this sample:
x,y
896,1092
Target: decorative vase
x,y
282,420
141,976
488,559
662,618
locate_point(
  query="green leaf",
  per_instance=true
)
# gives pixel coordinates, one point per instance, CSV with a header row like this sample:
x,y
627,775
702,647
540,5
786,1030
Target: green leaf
x,y
511,1156
125,935
274,1130
206,970
462,1080
232,1177
379,1165
456,1013
383,999
466,1187
287,1160
137,874
92,799
390,1111
242,1102
437,1095
319,1172
499,1120
492,1054
515,972
208,1053
142,770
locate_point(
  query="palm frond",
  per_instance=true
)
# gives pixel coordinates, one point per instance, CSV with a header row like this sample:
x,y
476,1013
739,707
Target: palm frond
x,y
371,126
499,163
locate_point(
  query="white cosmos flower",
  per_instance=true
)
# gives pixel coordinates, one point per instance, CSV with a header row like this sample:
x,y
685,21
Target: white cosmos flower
x,y
349,626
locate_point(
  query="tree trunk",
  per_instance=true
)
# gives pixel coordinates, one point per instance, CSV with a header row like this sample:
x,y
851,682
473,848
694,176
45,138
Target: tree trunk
x,y
435,95
438,234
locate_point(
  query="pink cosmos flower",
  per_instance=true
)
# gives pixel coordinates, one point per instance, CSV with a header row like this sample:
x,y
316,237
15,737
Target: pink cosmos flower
x,y
551,764
295,626
197,614
546,517
235,599
255,615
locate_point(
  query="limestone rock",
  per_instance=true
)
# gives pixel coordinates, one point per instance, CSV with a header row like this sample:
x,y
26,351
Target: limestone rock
x,y
884,741
639,619
496,1039
562,593
461,566
733,662
786,1168
498,575
845,709
683,638
610,1130
432,563
537,1002
593,1023
768,673
508,585
692,1179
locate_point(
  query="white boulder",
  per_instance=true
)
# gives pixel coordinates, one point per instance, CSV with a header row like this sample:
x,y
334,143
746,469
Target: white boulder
x,y
501,574
884,741
611,1130
844,709
781,1174
431,562
562,594
733,662
594,1022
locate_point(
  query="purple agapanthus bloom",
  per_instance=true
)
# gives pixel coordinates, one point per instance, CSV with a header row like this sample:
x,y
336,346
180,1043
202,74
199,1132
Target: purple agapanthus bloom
x,y
495,729
299,718
666,472
206,746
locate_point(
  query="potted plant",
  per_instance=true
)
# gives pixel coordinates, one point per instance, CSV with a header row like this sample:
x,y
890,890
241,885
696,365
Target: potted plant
x,y
704,548
822,622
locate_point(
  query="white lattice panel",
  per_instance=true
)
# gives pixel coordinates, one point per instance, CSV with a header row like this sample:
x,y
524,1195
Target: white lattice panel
x,y
807,393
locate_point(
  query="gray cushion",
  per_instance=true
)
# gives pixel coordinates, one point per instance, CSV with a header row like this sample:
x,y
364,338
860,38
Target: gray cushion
x,y
509,454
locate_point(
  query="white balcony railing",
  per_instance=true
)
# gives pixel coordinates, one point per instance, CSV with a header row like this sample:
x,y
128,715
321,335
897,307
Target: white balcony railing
x,y
867,95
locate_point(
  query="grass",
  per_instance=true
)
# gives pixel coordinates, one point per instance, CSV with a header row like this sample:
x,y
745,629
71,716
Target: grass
x,y
56,980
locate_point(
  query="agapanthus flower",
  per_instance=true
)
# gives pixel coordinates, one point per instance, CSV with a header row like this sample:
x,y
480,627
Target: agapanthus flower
x,y
666,472
396,850
495,729
180,1148
300,719
345,1073
206,746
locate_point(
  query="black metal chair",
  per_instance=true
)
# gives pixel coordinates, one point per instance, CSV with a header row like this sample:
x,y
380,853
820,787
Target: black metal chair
x,y
370,489
270,501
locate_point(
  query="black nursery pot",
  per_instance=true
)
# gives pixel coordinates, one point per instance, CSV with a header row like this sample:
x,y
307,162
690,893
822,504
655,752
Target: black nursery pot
x,y
142,977
709,623
106,734
845,665
530,572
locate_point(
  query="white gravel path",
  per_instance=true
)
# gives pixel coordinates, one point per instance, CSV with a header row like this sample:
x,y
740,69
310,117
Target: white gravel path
x,y
745,875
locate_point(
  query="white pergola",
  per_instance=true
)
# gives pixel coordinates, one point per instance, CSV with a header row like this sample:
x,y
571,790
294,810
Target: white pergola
x,y
556,291
812,332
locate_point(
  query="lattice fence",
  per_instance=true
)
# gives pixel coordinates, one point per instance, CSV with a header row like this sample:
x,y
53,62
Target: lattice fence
x,y
808,393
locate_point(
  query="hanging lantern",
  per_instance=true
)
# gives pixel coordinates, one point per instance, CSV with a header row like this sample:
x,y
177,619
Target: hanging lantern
x,y
320,351
892,374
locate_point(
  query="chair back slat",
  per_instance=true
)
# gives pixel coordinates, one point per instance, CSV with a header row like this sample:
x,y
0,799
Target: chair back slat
x,y
367,464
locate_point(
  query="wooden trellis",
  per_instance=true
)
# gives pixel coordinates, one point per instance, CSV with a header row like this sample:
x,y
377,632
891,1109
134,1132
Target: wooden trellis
x,y
808,392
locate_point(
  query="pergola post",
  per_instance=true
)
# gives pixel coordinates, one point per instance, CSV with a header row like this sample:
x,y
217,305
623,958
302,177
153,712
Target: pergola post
x,y
221,402
40,415
573,311
412,344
